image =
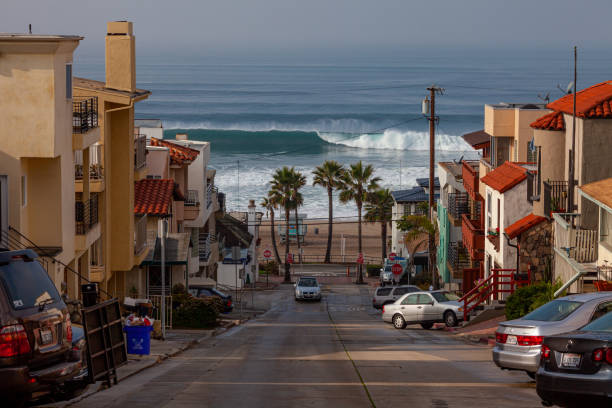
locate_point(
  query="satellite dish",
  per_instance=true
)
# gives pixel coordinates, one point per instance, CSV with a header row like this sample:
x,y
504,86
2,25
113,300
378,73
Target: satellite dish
x,y
545,98
568,90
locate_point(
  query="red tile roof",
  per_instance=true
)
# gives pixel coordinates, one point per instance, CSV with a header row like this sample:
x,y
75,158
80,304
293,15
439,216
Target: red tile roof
x,y
505,176
550,121
153,196
523,225
178,154
592,102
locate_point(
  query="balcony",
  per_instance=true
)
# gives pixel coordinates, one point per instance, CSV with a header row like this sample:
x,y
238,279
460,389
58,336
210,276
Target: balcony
x,y
555,197
211,191
493,238
457,259
473,237
86,214
471,179
140,151
207,245
458,204
85,130
96,169
192,205
140,235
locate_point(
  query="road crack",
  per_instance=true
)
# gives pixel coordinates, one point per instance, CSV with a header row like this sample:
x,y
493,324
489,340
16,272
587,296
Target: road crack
x,y
365,387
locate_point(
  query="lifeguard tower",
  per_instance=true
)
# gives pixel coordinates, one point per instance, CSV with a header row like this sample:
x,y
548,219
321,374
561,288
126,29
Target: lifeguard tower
x,y
297,230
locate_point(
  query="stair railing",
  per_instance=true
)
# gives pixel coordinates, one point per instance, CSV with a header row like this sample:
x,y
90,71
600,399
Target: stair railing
x,y
499,281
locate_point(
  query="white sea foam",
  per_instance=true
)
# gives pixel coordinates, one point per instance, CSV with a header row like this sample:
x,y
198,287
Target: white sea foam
x,y
397,140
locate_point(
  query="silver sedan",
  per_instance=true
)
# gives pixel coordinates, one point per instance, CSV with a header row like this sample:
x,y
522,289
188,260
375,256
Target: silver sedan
x,y
518,342
425,308
307,288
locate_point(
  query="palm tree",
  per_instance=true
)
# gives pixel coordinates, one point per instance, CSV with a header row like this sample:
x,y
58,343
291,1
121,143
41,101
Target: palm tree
x,y
298,180
379,207
270,204
418,231
357,182
327,176
282,189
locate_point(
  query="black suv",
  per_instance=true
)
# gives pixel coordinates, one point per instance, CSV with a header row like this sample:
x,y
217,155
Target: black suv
x,y
35,330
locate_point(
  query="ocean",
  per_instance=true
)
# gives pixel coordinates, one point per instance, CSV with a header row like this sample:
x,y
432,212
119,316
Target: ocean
x,y
261,113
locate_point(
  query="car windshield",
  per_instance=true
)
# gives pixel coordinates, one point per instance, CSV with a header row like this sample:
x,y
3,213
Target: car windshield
x,y
388,268
553,311
218,292
308,282
603,324
27,284
445,296
383,291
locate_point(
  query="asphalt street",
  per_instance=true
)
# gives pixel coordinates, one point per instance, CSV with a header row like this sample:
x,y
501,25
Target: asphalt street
x,y
336,353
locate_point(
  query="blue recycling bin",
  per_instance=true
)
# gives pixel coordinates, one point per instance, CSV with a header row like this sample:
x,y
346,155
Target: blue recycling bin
x,y
138,339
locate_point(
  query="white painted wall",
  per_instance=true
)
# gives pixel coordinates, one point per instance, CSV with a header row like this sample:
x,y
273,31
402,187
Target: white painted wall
x,y
226,275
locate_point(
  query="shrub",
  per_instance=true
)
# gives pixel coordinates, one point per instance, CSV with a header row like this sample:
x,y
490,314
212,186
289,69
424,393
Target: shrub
x,y
529,298
373,269
196,313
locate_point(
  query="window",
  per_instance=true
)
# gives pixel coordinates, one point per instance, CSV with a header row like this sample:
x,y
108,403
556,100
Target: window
x,y
400,291
498,213
603,324
410,300
424,299
605,228
24,191
69,81
553,311
601,310
489,220
445,296
383,291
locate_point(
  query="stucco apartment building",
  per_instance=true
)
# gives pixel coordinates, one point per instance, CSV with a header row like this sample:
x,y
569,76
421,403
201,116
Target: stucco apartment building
x,y
38,141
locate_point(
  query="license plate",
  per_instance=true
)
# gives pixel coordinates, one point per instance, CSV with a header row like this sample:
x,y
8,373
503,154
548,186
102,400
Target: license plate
x,y
511,340
46,336
571,360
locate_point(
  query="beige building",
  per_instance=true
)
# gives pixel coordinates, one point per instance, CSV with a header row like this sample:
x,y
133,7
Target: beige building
x,y
120,156
43,128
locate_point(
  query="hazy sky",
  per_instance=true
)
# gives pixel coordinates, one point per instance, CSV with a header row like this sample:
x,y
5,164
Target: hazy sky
x,y
234,26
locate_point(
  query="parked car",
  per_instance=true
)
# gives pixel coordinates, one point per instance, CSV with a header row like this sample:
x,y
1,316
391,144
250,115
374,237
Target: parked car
x,y
576,367
388,295
424,308
518,342
35,330
307,288
386,276
205,291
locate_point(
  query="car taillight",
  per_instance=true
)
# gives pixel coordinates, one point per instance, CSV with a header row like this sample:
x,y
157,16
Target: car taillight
x,y
68,328
383,309
609,356
545,352
13,341
529,340
229,303
602,355
501,337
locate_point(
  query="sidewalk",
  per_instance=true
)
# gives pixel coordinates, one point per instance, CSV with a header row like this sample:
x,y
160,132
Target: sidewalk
x,y
483,332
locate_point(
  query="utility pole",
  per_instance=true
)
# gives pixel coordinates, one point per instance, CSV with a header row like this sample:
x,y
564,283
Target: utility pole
x,y
429,106
572,157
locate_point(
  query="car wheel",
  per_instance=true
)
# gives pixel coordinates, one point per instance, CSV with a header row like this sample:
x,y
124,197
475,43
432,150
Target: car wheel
x,y
398,321
531,375
450,319
427,326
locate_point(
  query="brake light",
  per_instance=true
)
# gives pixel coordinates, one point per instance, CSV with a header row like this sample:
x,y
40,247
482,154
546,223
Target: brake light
x,y
545,352
229,302
529,340
383,309
609,356
68,328
598,354
13,341
501,337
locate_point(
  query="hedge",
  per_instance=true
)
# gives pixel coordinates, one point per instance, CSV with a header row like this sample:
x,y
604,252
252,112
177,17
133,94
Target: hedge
x,y
529,298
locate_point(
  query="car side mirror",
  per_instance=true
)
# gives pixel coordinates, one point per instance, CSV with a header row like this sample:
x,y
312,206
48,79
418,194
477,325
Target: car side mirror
x,y
431,303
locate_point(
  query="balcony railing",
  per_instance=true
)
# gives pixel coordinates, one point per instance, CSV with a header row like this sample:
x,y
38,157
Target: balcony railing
x,y
192,199
140,234
86,214
210,190
140,151
96,169
457,258
473,237
84,114
470,174
555,197
573,240
458,204
205,244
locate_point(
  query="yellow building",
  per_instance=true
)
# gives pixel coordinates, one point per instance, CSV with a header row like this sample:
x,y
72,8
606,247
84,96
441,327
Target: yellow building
x,y
41,131
121,156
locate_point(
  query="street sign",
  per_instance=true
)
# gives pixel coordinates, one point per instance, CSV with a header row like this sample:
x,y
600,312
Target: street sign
x,y
397,269
290,258
267,254
360,259
392,256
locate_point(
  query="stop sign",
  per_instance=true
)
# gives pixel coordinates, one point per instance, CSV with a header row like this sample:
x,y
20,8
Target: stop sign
x,y
290,258
267,253
360,259
392,256
397,269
